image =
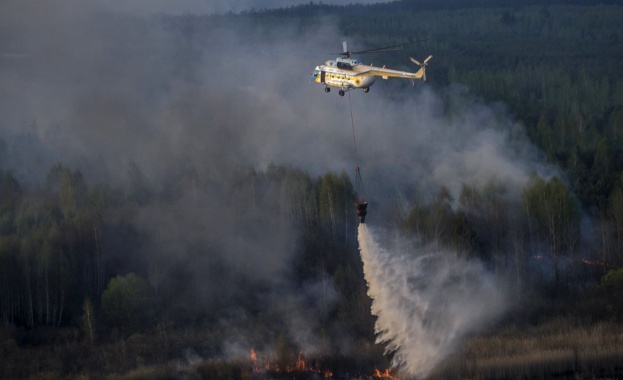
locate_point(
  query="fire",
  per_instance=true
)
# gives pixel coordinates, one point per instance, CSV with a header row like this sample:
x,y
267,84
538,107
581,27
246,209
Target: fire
x,y
263,364
593,262
384,375
266,364
300,362
256,369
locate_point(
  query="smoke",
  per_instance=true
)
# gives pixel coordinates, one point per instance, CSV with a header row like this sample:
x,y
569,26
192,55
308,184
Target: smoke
x,y
426,299
105,91
130,99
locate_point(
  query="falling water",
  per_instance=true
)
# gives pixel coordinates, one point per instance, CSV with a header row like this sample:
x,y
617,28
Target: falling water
x,y
426,300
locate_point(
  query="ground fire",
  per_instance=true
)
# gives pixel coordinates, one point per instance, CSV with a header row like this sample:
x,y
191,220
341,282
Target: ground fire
x,y
384,375
267,367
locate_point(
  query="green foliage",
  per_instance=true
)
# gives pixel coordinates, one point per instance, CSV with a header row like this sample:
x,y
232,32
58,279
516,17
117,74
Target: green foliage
x,y
612,286
284,352
438,222
128,303
225,370
556,215
616,213
555,211
70,188
612,282
148,373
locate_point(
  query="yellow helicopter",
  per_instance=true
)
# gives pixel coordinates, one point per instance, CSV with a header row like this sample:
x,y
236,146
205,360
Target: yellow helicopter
x,y
348,73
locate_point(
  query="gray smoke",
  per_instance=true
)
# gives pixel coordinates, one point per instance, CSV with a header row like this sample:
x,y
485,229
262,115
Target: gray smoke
x,y
105,92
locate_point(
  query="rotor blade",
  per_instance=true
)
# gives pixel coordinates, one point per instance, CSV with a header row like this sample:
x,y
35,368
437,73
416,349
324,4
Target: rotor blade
x,y
428,59
394,47
416,61
345,46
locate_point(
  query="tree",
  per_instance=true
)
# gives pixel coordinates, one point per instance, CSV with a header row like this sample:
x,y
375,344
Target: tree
x,y
128,303
88,320
335,197
612,286
615,212
556,214
69,186
283,349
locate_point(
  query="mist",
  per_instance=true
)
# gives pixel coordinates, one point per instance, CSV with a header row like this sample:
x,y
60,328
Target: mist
x,y
126,97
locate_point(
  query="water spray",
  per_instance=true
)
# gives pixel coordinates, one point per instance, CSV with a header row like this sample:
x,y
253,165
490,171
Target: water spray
x,y
426,300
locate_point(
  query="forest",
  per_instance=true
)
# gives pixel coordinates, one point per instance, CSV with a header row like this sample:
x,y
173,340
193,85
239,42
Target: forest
x,y
191,274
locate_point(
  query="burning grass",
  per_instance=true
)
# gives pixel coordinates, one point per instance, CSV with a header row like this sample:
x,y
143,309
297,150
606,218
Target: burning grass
x,y
559,348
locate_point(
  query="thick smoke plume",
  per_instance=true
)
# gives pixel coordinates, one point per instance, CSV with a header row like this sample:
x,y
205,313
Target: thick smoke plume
x,y
426,300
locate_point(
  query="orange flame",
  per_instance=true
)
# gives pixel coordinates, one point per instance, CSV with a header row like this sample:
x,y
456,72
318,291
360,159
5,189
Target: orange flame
x,y
263,364
300,362
593,262
256,369
384,375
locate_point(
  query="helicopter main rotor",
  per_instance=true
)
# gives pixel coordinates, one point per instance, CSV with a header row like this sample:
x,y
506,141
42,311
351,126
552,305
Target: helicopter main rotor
x,y
346,53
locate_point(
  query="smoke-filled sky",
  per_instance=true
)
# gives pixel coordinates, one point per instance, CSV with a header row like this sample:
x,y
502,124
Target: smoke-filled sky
x,y
104,90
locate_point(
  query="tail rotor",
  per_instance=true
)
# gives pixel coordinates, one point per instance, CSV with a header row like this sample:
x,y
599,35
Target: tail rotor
x,y
422,65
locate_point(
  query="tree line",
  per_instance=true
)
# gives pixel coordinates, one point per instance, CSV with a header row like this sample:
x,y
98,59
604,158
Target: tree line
x,y
58,269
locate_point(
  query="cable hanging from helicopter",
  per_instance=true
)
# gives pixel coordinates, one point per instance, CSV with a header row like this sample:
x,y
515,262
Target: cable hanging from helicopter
x,y
348,74
361,202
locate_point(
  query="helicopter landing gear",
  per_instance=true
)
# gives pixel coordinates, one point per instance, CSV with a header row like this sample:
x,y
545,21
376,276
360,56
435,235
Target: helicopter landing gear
x,y
341,92
366,89
327,89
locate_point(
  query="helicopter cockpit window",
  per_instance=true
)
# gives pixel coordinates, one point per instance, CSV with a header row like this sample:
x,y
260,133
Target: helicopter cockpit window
x,y
343,65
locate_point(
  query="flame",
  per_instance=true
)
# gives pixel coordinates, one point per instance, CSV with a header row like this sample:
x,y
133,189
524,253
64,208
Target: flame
x,y
256,369
594,262
300,362
263,364
384,375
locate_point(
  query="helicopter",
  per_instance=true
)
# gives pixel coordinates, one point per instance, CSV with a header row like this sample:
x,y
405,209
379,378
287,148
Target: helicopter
x,y
348,73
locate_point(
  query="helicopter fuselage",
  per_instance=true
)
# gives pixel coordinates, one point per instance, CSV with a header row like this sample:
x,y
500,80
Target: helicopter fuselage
x,y
342,73
347,74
